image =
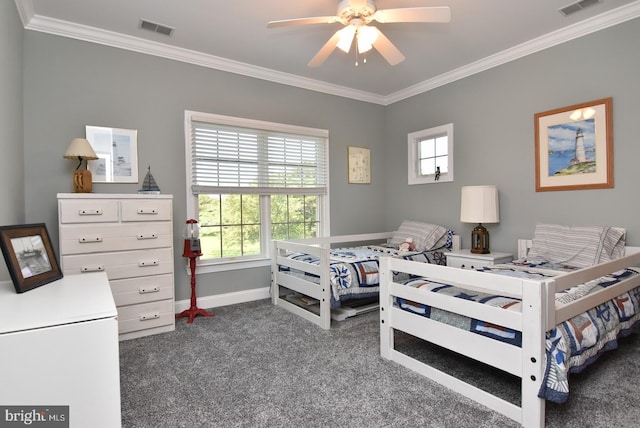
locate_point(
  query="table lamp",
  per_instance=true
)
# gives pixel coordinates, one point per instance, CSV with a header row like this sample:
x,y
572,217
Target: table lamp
x,y
80,150
479,204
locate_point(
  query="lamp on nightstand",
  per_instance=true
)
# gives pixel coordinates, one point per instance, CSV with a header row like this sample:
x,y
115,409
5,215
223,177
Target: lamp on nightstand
x,y
479,204
80,150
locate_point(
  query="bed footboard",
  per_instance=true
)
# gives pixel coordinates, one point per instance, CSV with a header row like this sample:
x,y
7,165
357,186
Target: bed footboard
x,y
526,362
313,292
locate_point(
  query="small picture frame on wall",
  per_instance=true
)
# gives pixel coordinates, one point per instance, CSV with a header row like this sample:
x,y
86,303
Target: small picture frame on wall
x,y
359,165
29,256
117,151
574,147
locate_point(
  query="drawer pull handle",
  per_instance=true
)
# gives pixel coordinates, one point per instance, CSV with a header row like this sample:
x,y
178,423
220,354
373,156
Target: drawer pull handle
x,y
92,268
90,212
145,290
151,316
151,236
84,240
148,263
152,211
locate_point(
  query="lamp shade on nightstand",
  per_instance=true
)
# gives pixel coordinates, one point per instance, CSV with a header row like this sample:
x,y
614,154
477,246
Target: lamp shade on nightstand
x,y
80,150
479,204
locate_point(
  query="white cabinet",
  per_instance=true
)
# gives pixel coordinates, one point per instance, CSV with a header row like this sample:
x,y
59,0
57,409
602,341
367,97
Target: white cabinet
x,y
130,237
59,347
465,259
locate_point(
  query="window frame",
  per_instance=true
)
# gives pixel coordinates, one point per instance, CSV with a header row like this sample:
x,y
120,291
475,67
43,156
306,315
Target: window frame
x,y
264,258
413,158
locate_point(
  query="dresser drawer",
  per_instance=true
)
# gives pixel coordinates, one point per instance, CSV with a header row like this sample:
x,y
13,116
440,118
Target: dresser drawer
x,y
80,239
88,211
146,210
145,316
124,264
141,290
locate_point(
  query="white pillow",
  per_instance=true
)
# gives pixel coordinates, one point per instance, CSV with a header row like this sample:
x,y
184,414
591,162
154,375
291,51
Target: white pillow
x,y
579,246
425,235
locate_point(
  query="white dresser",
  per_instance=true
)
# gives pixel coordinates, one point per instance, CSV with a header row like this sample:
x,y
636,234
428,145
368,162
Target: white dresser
x,y
130,237
59,347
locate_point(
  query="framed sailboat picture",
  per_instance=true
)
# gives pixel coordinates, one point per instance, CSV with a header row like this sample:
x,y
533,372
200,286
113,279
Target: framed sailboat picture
x,y
574,147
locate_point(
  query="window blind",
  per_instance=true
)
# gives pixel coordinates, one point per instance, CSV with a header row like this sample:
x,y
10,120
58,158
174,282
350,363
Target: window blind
x,y
233,159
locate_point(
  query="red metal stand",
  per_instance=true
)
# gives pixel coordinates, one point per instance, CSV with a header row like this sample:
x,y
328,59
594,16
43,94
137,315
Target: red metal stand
x,y
193,310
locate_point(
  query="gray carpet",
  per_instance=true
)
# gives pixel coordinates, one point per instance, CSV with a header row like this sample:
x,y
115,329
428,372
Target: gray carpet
x,y
256,365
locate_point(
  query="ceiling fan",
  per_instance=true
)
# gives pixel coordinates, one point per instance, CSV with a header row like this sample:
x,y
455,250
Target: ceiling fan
x,y
356,15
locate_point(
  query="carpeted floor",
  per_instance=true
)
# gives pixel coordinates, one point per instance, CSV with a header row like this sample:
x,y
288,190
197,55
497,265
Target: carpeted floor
x,y
256,365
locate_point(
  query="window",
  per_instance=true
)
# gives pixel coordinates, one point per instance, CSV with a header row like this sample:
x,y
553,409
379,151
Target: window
x,y
430,157
250,182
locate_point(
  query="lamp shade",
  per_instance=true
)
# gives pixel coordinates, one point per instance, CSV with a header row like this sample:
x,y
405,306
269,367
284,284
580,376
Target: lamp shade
x,y
80,149
479,204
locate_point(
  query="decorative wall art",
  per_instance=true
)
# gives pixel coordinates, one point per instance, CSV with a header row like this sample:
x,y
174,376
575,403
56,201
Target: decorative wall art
x,y
117,151
359,165
574,147
29,256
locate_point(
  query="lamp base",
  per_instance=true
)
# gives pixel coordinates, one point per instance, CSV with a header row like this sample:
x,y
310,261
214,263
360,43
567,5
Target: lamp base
x,y
82,181
480,240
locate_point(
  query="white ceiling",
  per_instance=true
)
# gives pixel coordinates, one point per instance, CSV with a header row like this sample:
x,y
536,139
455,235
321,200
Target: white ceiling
x,y
232,35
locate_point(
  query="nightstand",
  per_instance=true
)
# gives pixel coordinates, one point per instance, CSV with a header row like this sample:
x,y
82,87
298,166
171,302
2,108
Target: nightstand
x,y
465,259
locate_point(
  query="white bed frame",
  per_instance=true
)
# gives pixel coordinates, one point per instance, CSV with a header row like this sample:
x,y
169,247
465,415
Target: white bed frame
x,y
320,292
539,315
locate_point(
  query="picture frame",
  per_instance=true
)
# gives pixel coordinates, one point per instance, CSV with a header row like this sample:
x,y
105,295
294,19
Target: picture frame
x,y
359,165
117,151
574,147
29,255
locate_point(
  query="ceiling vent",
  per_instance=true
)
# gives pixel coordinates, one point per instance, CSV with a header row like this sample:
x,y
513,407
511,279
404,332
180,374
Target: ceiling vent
x,y
574,7
155,27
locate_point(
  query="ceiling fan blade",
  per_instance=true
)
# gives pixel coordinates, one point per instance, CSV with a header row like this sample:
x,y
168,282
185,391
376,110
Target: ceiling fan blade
x,y
303,21
387,49
413,14
325,51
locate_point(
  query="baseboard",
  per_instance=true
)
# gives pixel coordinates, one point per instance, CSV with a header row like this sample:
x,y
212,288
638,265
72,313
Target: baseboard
x,y
217,300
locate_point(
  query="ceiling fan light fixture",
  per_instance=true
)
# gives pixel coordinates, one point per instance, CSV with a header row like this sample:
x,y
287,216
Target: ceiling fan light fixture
x,y
346,38
356,15
366,37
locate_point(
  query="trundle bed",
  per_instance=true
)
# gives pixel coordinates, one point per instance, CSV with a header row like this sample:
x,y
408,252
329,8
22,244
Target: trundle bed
x,y
535,323
317,280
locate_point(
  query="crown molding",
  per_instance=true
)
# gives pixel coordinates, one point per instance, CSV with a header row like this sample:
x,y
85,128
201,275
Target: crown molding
x,y
34,22
580,29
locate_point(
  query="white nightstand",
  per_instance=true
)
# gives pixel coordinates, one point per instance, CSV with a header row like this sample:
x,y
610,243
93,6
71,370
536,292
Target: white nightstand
x,y
465,259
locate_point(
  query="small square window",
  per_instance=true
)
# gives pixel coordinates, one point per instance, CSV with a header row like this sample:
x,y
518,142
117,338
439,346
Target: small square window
x,y
430,157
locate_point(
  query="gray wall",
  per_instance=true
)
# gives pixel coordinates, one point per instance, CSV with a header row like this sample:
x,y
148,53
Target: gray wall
x,y
70,84
493,121
12,158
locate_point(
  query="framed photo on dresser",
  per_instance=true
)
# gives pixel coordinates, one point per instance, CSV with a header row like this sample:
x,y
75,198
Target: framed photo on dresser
x,y
29,255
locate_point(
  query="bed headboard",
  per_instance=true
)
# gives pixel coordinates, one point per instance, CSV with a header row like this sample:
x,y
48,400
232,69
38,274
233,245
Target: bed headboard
x,y
524,245
456,243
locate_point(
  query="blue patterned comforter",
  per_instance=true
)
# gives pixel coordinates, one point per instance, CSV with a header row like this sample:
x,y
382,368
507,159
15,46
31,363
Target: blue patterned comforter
x,y
571,346
354,272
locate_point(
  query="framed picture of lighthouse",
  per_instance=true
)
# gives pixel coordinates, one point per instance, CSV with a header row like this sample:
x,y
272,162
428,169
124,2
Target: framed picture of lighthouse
x,y
117,151
574,147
